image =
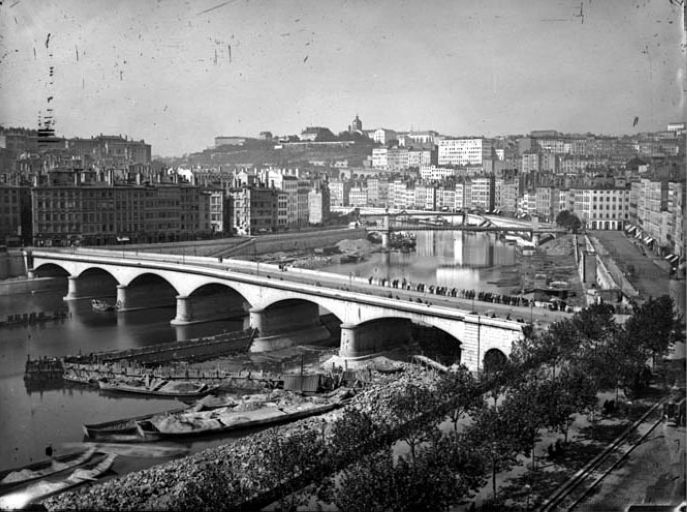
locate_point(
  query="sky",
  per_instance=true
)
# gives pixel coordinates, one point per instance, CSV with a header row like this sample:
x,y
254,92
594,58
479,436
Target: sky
x,y
179,73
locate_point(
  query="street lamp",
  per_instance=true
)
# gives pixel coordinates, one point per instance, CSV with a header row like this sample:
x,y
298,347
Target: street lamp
x,y
528,490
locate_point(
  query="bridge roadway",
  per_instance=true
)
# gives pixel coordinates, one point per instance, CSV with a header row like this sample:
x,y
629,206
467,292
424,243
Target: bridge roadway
x,y
282,303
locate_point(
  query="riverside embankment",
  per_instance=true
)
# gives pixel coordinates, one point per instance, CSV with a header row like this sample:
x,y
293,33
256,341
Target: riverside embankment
x,y
250,474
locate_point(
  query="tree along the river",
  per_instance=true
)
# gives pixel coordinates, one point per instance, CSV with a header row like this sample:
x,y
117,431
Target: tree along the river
x,y
594,321
461,394
497,437
560,343
655,325
573,392
525,414
410,406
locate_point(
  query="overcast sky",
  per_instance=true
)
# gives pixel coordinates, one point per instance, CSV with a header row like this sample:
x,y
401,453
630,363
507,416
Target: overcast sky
x,y
178,73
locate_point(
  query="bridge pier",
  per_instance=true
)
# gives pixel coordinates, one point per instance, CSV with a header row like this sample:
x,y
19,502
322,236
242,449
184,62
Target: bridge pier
x,y
184,314
121,297
364,341
283,326
72,289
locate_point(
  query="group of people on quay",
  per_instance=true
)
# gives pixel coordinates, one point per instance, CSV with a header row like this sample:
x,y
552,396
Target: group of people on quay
x,y
496,298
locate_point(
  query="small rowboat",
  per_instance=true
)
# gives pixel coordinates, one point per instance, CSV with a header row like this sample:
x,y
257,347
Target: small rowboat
x,y
123,430
14,477
158,387
44,488
101,305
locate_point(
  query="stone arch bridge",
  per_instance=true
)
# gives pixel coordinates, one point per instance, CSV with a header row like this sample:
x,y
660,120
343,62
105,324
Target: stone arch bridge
x,y
283,306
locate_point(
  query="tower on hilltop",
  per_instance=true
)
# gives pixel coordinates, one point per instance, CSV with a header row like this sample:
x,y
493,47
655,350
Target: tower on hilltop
x,y
356,126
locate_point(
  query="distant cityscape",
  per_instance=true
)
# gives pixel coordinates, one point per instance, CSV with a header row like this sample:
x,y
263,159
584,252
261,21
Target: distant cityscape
x,y
108,189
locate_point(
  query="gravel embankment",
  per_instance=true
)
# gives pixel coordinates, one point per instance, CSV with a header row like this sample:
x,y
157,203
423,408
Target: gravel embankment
x,y
187,482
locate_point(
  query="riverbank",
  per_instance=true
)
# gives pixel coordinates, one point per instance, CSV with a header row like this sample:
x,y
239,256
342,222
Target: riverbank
x,y
553,262
353,250
247,472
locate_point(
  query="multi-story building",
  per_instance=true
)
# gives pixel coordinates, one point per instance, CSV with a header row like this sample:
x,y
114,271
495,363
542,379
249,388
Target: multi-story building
x,y
302,200
548,161
282,209
602,208
657,208
482,192
425,196
254,209
111,151
318,203
105,212
530,162
676,207
15,214
399,193
339,192
384,136
463,193
423,137
434,173
391,159
555,146
468,151
217,210
546,202
506,193
446,197
420,158
378,191
358,195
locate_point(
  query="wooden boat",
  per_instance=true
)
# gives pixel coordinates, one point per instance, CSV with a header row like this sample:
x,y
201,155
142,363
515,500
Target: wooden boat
x,y
139,450
123,430
158,387
226,419
101,305
44,488
13,477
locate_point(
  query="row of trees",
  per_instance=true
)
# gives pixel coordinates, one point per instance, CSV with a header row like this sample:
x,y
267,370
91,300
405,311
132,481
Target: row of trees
x,y
551,376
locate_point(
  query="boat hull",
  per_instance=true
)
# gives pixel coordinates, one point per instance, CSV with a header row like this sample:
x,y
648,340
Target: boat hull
x,y
252,420
44,488
123,430
12,478
144,390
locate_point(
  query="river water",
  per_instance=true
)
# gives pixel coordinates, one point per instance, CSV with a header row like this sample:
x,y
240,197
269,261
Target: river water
x,y
32,420
454,259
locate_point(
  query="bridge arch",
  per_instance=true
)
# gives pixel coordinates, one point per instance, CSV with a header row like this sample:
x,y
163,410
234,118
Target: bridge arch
x,y
387,332
50,270
93,282
215,301
145,290
288,322
494,359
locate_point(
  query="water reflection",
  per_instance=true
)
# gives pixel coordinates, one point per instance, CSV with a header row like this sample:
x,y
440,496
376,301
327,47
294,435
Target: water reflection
x,y
447,258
